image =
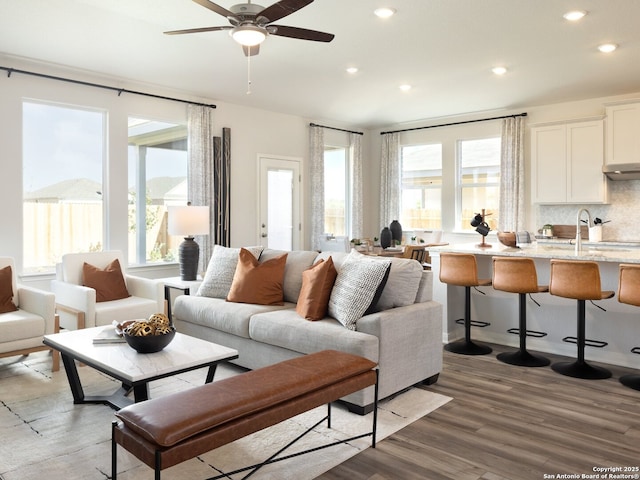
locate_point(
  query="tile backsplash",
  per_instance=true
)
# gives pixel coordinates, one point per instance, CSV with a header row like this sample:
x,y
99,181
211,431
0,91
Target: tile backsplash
x,y
623,211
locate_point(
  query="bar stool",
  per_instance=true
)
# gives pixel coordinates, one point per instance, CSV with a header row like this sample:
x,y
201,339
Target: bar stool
x,y
461,269
629,292
579,280
518,275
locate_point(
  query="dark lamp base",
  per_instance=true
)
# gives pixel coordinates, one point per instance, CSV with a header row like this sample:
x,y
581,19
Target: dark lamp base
x,y
189,254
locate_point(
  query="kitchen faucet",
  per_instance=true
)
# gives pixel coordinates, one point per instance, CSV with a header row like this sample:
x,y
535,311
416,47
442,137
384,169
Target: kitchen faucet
x,y
578,234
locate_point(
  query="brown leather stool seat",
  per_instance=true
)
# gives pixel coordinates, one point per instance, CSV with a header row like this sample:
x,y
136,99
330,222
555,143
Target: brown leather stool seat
x,y
579,280
629,292
461,269
518,275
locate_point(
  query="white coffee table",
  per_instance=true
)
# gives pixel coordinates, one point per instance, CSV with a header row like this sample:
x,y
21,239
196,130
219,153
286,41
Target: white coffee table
x,y
135,370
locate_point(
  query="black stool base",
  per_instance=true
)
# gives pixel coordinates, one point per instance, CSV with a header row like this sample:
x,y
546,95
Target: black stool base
x,y
631,381
581,370
523,359
464,347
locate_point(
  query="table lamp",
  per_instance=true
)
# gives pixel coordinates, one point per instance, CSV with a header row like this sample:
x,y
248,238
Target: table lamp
x,y
188,221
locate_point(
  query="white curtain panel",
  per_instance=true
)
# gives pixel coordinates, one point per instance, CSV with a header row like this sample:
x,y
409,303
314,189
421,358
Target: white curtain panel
x,y
200,172
316,166
512,175
357,207
390,179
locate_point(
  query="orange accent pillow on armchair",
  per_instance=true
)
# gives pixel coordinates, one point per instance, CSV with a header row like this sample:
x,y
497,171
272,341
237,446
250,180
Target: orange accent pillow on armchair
x,y
108,283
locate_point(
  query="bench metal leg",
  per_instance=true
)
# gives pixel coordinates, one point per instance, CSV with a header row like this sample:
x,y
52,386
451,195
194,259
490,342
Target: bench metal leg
x,y
114,452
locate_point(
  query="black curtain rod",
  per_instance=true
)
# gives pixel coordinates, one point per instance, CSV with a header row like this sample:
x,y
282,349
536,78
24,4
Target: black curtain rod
x,y
456,123
106,87
335,128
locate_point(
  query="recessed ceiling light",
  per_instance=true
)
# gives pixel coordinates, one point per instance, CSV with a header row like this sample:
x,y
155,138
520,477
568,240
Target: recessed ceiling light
x,y
352,70
574,15
499,70
607,47
384,12
405,87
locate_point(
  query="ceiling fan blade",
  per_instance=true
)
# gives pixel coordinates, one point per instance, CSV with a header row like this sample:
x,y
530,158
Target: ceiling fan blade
x,y
251,51
215,8
282,9
301,33
196,30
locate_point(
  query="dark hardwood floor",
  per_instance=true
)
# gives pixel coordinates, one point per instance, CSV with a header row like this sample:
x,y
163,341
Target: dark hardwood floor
x,y
511,423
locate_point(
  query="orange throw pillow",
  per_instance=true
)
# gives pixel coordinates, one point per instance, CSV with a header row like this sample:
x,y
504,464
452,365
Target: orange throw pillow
x,y
258,283
108,283
6,290
317,282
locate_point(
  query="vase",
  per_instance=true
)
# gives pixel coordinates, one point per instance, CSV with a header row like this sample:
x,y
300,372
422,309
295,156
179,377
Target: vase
x,y
386,237
396,231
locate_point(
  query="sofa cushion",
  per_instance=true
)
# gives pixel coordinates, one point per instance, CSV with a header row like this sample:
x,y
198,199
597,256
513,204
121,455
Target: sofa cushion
x,y
219,275
357,289
317,283
259,283
221,315
108,282
297,262
286,329
6,290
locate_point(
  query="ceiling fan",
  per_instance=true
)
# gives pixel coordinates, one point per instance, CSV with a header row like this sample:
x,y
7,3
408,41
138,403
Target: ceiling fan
x,y
251,23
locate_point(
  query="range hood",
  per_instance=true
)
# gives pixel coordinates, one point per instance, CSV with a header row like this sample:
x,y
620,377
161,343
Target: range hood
x,y
622,171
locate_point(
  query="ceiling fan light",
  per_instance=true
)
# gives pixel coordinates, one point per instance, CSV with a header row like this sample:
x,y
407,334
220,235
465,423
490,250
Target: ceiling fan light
x,y
248,35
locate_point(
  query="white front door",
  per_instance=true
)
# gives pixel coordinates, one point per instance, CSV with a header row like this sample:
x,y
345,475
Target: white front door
x,y
279,220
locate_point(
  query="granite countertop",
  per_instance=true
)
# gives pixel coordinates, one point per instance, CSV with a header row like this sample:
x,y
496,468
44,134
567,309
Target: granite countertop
x,y
616,252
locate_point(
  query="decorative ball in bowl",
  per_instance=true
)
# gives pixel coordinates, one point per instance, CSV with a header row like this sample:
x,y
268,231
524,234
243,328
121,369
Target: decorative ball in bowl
x,y
507,238
150,336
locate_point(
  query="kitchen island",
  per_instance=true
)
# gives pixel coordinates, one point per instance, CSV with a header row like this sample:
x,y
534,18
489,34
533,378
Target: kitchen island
x,y
618,326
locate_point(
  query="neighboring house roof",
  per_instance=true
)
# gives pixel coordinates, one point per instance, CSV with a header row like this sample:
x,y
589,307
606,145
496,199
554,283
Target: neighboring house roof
x,y
73,190
160,190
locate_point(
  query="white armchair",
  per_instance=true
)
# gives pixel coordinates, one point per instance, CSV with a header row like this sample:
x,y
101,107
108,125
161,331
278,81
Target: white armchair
x,y
22,330
77,306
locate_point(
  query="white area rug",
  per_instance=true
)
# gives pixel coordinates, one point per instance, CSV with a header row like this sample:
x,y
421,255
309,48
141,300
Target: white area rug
x,y
44,435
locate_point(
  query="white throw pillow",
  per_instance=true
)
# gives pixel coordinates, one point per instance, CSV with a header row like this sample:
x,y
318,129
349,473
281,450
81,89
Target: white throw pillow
x,y
357,289
222,265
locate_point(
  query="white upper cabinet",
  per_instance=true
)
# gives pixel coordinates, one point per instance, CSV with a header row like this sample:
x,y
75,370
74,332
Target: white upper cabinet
x,y
566,162
623,132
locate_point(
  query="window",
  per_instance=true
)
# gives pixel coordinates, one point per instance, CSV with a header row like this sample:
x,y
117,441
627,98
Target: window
x,y
336,191
478,180
421,185
63,154
157,178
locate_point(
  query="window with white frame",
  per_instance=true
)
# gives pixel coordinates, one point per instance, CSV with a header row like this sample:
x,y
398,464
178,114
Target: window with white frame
x,y
336,191
63,157
157,179
478,181
421,187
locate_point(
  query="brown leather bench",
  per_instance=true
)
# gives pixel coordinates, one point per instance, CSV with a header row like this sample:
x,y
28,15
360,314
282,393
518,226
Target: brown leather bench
x,y
168,430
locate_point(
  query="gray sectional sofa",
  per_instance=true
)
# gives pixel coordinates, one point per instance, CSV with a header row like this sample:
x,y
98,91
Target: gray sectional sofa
x,y
404,337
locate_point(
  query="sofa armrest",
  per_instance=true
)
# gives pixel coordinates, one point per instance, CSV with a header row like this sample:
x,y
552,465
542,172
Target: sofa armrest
x,y
41,303
410,343
146,288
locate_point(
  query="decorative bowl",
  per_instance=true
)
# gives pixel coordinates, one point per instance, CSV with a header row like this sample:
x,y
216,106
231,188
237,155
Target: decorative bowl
x,y
507,238
149,343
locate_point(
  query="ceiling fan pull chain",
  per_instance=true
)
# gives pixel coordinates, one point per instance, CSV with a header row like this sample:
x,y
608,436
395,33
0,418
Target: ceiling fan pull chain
x,y
249,71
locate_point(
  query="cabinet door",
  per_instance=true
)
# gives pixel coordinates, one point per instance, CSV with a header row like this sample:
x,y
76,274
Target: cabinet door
x,y
585,153
549,164
623,133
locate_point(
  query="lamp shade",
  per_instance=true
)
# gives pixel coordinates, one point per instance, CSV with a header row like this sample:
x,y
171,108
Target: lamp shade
x,y
188,221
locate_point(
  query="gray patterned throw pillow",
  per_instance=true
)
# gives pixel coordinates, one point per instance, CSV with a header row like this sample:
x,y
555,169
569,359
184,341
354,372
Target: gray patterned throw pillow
x,y
357,289
219,276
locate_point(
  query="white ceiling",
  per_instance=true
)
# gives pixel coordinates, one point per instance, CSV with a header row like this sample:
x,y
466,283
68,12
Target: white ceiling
x,y
444,48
